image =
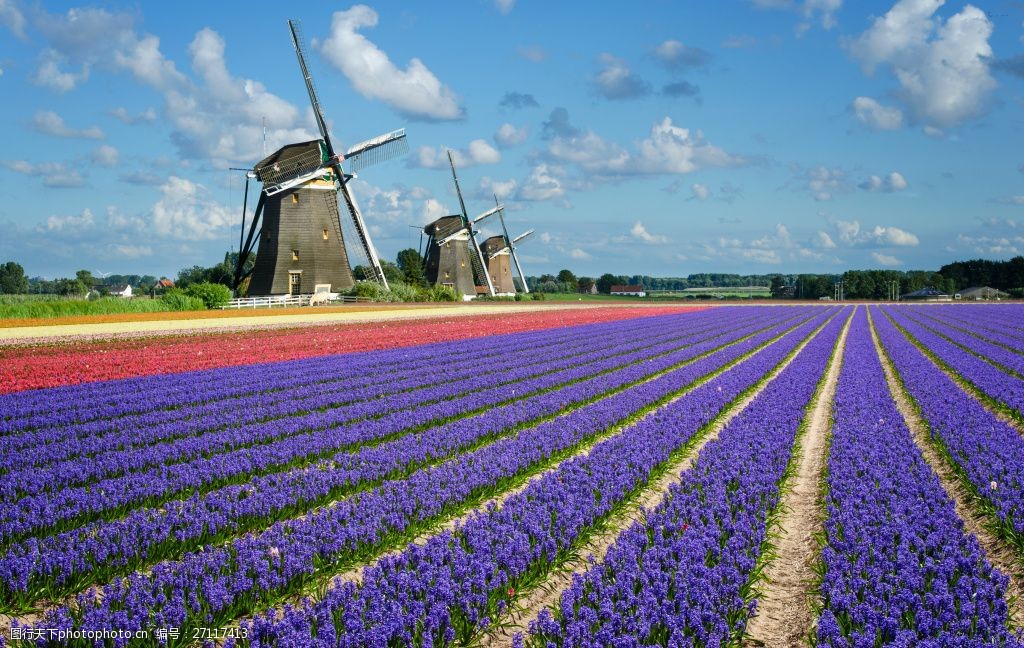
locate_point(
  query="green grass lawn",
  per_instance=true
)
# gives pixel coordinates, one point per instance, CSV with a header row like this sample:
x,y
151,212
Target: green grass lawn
x,y
50,306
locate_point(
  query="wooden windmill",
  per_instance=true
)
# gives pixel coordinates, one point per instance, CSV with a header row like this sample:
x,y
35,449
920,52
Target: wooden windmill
x,y
453,254
297,223
499,250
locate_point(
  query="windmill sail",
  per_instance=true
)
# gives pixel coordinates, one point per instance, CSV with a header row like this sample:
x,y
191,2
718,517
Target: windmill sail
x,y
479,265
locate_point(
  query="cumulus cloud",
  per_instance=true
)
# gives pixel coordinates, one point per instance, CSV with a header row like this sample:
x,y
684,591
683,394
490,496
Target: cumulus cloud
x,y
824,241
83,221
558,125
187,212
617,81
477,152
885,259
501,189
699,191
518,100
12,18
432,210
122,115
941,66
414,91
824,183
675,55
640,233
823,11
681,89
891,183
50,75
851,233
578,254
508,135
142,178
105,156
544,183
1010,200
50,123
504,6
875,115
55,175
1013,66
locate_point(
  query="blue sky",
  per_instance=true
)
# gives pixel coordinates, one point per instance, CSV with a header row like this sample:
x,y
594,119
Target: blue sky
x,y
663,138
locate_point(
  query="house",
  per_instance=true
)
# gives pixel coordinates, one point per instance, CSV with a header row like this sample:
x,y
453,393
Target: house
x,y
588,290
632,291
976,293
120,290
928,294
163,284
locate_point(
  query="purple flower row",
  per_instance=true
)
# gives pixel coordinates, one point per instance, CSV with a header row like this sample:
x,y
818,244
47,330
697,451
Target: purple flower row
x,y
66,560
220,583
980,324
450,588
682,576
263,425
994,382
899,567
989,451
1004,319
1005,358
304,440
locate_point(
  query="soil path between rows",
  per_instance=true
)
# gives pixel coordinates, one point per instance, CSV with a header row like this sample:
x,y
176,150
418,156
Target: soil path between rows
x,y
1001,555
785,615
650,497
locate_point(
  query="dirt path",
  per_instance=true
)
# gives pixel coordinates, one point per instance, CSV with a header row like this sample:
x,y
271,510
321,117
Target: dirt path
x,y
784,612
999,554
518,619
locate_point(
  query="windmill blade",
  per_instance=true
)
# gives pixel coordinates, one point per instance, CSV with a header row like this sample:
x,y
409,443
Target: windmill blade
x,y
522,236
318,114
454,235
379,149
468,225
501,216
487,214
458,190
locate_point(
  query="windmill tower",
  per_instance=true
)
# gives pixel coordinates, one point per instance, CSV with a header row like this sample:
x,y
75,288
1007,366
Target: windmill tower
x,y
500,252
297,223
453,253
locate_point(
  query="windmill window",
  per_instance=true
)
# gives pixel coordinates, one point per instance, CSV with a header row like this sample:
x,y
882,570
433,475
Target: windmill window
x,y
325,235
295,198
447,275
295,255
463,264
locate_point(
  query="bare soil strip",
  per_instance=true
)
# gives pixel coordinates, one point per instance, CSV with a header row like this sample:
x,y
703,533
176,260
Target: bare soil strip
x,y
1001,555
785,615
548,594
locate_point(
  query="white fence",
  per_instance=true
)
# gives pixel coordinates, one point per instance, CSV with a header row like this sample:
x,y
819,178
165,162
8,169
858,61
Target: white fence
x,y
287,301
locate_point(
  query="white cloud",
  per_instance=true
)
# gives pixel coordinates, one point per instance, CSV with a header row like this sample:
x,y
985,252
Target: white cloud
x,y
1011,200
851,233
147,64
877,116
893,236
500,188
55,175
543,184
942,67
130,251
432,210
675,55
50,123
415,91
824,241
187,212
122,115
105,156
617,81
504,6
891,183
825,10
640,233
12,18
508,135
83,221
700,191
580,255
477,152
50,75
824,183
886,259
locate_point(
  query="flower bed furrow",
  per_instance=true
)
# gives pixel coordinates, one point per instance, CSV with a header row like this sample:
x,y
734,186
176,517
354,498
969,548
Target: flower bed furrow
x,y
681,576
52,512
166,393
223,582
449,588
38,366
1005,319
980,329
375,402
899,567
1005,359
66,561
986,452
995,383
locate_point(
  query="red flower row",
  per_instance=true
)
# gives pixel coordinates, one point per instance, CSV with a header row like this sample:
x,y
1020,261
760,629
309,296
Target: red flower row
x,y
74,361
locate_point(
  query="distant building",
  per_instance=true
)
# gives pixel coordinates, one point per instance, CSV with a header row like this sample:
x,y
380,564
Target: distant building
x,y
632,291
121,290
164,284
589,290
977,293
928,294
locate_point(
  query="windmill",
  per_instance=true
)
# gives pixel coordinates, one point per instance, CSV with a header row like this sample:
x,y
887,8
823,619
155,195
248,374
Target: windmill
x,y
297,223
498,250
454,257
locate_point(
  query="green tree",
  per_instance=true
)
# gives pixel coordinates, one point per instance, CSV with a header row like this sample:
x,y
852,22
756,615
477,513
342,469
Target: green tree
x,y
86,278
411,264
605,283
70,288
777,287
12,279
568,278
214,295
583,284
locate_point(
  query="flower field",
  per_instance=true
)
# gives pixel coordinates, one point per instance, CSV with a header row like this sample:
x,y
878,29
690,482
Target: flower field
x,y
596,477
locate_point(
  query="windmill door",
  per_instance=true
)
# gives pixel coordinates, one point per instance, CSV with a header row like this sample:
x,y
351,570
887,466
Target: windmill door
x,y
294,283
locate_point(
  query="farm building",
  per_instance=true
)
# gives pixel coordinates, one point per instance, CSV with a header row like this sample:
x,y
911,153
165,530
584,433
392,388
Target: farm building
x,y
122,290
632,291
928,294
976,293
